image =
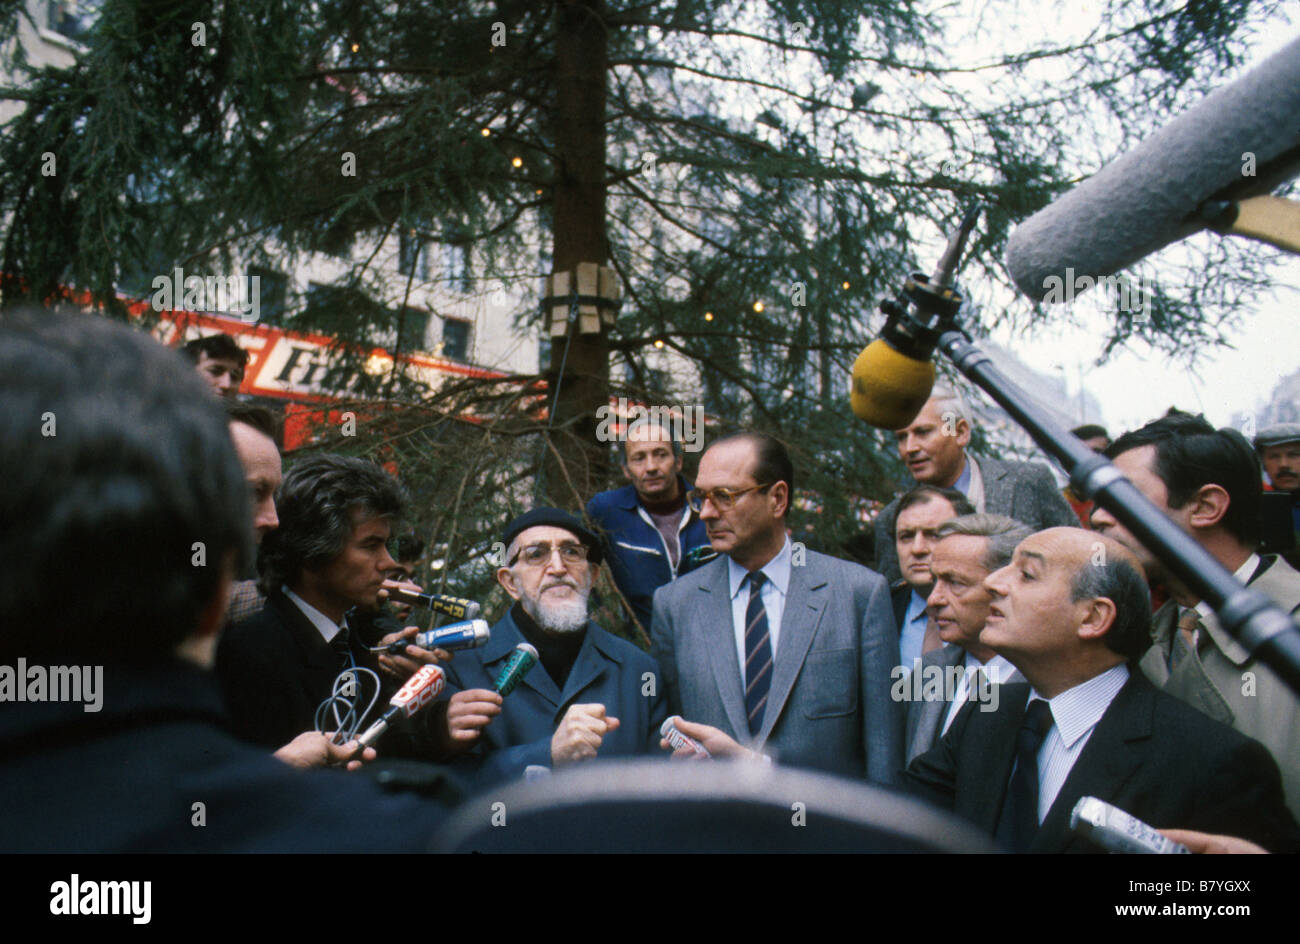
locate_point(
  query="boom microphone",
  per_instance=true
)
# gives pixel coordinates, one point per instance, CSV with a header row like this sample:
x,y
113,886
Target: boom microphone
x,y
420,689
457,608
894,374
1237,142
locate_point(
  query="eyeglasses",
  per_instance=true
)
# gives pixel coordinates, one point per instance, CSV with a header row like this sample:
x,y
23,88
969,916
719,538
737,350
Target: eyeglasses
x,y
536,555
723,498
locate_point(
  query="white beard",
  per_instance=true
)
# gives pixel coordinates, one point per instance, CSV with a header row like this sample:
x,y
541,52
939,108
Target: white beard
x,y
561,616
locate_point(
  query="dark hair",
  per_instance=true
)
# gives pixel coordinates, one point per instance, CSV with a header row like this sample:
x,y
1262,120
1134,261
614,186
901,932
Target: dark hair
x,y
923,493
315,505
1190,453
221,346
1090,431
124,495
1120,582
250,414
772,464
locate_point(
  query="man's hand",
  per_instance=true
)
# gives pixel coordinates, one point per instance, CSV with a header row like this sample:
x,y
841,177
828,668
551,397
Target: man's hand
x,y
400,610
716,742
313,749
468,713
1209,844
408,662
581,730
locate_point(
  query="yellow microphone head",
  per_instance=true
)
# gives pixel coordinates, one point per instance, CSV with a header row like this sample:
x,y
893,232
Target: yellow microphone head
x,y
889,388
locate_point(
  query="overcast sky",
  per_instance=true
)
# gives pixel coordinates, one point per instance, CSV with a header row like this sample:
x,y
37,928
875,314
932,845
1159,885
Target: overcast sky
x,y
1138,384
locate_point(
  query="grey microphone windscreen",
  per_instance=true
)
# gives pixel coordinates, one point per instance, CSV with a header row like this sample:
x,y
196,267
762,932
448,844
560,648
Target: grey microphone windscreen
x,y
1147,199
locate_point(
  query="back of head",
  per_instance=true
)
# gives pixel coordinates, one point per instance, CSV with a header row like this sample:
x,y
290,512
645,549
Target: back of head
x,y
1116,575
124,495
315,505
1190,453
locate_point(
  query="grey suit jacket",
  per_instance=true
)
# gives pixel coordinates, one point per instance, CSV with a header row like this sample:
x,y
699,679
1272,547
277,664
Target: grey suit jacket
x,y
925,717
829,707
1025,491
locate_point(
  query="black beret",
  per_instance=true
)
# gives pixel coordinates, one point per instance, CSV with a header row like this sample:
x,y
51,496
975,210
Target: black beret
x,y
556,518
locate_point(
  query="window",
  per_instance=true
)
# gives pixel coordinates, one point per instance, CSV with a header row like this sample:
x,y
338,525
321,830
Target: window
x,y
413,255
456,261
455,338
414,328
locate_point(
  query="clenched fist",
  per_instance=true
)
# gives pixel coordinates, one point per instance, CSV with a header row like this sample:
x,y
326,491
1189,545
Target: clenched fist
x,y
581,730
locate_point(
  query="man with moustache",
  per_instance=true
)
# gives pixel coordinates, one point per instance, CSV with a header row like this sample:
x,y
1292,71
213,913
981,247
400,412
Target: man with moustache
x,y
591,695
966,550
1071,613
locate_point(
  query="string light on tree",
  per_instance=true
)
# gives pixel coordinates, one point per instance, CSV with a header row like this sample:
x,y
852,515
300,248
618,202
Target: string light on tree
x,y
758,306
708,316
517,162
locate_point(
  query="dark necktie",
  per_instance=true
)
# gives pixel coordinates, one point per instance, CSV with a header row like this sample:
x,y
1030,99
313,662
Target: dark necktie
x,y
1019,820
758,654
342,649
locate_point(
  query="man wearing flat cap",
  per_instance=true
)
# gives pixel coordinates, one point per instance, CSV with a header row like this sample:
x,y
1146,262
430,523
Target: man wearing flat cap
x,y
1279,451
591,694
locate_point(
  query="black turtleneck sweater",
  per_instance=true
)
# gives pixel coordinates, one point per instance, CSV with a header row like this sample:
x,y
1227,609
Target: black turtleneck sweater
x,y
556,651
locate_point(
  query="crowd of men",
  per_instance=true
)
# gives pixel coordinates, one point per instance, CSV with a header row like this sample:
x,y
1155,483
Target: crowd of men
x,y
1000,662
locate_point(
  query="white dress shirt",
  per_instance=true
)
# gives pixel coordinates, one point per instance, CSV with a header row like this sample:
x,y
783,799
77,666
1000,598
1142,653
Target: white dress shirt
x,y
1075,713
773,594
324,625
997,670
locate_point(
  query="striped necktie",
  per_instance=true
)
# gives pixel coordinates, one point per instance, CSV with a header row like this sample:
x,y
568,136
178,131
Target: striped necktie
x,y
758,654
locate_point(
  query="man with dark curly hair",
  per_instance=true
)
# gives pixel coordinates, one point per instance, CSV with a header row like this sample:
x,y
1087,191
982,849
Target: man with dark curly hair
x,y
329,554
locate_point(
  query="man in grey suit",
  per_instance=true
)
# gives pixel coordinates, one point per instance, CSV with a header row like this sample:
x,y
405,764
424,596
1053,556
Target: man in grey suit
x,y
966,550
934,448
815,634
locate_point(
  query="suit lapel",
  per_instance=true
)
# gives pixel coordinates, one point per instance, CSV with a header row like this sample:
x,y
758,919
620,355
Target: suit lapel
x,y
505,637
1108,760
588,668
319,666
929,715
720,642
989,741
997,485
803,610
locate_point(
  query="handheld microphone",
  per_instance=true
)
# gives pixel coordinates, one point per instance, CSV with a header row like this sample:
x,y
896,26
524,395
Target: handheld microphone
x,y
467,634
668,731
457,608
1236,143
894,374
519,664
420,689
1117,831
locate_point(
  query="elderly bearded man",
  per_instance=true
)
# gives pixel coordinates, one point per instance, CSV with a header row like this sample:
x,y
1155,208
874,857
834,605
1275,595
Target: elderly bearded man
x,y
592,694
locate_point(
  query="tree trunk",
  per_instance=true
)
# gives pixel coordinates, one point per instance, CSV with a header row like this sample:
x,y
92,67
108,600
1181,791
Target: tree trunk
x,y
579,236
